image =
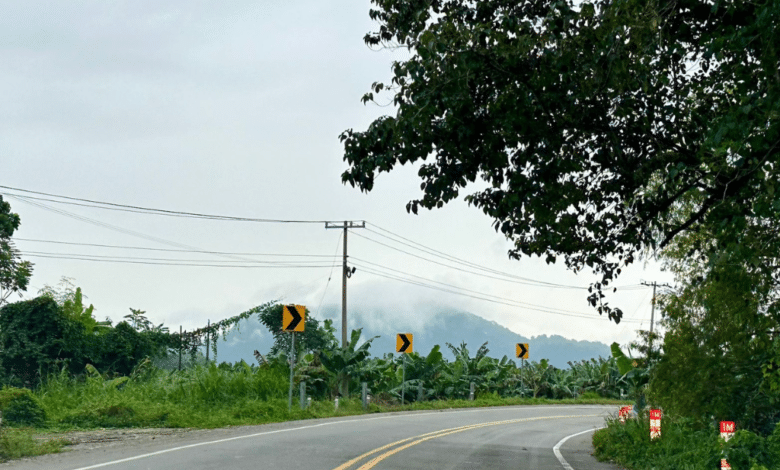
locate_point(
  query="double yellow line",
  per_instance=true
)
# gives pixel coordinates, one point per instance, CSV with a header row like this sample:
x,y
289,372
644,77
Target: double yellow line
x,y
404,444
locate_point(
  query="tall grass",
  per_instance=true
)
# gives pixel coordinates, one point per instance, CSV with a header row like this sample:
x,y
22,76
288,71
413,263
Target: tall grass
x,y
203,396
684,445
208,396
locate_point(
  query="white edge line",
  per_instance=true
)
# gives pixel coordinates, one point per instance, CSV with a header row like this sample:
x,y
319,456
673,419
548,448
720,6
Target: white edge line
x,y
557,448
173,449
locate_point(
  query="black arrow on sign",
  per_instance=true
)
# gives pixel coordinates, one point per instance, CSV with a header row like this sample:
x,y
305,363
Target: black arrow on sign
x,y
523,351
406,344
296,317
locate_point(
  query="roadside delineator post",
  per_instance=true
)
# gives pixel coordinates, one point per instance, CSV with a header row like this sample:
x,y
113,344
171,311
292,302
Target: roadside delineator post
x,y
727,429
623,414
655,424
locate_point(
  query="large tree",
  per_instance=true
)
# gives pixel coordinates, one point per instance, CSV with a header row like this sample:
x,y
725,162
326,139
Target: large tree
x,y
14,273
601,129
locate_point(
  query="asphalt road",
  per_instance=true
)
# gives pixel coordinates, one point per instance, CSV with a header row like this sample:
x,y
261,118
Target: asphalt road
x,y
521,437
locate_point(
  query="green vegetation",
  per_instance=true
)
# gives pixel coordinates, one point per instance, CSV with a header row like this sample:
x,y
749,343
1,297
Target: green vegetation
x,y
14,273
684,445
607,130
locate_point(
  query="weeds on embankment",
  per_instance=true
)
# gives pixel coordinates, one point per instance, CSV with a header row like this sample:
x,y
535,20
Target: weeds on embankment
x,y
684,445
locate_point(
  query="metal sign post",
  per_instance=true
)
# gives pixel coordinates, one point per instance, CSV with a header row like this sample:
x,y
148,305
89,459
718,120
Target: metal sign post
x,y
404,345
293,319
292,369
403,381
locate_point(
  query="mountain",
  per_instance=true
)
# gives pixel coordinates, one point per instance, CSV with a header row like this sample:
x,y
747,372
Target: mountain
x,y
435,326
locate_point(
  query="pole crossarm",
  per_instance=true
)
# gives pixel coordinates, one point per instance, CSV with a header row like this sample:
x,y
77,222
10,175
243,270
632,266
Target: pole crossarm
x,y
346,224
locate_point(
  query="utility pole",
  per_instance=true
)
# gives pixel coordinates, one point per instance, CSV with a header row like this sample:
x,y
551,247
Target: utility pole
x,y
652,314
346,272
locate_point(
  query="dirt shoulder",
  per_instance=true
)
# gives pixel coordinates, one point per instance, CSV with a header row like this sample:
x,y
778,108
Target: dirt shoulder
x,y
98,438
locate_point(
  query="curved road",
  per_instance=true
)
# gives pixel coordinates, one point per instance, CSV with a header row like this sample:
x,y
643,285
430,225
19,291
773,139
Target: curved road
x,y
520,437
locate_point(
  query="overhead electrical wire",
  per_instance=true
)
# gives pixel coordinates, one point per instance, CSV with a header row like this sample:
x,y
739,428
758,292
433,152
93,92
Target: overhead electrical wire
x,y
149,210
473,268
404,273
432,251
174,251
171,262
507,302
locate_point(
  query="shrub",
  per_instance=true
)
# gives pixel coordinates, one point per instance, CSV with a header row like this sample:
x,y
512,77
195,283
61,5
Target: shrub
x,y
24,410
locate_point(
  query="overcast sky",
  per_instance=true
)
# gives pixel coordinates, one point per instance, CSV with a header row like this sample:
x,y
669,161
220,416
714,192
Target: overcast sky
x,y
234,108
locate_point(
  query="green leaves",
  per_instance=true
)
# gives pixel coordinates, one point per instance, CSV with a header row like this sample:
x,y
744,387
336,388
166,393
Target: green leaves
x,y
14,273
588,126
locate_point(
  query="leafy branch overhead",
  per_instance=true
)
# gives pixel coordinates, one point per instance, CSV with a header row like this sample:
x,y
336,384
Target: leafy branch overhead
x,y
602,129
14,273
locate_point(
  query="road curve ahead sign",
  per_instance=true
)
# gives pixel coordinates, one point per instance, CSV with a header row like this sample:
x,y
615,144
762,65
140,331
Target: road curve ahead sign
x,y
403,343
293,317
521,350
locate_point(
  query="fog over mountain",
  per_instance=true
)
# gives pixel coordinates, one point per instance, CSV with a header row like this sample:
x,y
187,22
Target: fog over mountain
x,y
430,326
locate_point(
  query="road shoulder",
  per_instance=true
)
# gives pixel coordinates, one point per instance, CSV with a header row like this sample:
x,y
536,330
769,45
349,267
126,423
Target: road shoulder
x,y
578,452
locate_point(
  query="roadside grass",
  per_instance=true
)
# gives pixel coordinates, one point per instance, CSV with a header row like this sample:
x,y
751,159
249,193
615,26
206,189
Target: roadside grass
x,y
201,397
18,443
684,445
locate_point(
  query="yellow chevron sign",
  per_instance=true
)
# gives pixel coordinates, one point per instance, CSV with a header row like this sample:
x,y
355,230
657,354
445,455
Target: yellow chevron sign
x,y
293,317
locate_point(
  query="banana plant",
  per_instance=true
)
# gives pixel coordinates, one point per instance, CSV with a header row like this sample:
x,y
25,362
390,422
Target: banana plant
x,y
636,377
345,363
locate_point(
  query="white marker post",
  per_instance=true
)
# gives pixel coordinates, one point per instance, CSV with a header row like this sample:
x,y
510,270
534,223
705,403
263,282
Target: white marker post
x,y
624,413
655,424
727,429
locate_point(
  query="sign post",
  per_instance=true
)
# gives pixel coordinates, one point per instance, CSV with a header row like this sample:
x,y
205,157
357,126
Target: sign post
x,y
293,319
403,345
521,352
655,424
727,429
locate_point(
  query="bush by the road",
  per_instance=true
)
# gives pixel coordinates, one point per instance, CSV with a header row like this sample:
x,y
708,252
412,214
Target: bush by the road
x,y
683,445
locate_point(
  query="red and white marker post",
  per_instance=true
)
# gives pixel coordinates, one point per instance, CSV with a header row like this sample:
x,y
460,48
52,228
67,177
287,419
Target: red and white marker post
x,y
655,424
624,413
727,429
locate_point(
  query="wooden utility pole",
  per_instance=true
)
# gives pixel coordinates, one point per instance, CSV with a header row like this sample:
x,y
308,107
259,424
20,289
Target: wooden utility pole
x,y
652,314
346,272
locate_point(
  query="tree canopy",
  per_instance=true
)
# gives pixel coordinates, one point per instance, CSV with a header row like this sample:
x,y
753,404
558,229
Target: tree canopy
x,y
601,129
14,273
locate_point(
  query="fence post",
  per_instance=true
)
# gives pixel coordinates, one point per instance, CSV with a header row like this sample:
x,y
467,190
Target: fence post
x,y
181,338
471,391
365,395
303,394
420,391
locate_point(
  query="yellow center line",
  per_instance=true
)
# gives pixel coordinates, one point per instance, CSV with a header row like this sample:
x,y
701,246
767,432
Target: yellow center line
x,y
433,435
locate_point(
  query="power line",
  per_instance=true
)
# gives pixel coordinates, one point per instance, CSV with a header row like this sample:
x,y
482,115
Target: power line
x,y
455,259
530,305
177,260
171,250
508,302
149,210
515,281
190,263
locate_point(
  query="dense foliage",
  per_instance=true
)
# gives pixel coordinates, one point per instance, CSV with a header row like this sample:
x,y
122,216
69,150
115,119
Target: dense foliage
x,y
38,337
684,445
14,273
591,123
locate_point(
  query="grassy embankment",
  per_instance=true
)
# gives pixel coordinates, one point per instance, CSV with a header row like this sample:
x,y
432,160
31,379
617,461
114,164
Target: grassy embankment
x,y
684,445
198,398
